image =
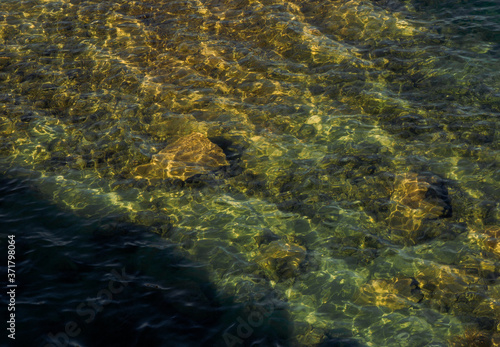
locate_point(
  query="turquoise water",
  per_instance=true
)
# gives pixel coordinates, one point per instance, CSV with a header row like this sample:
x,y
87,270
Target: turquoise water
x,y
360,206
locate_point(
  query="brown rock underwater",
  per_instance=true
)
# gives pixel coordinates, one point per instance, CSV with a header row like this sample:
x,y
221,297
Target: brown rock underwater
x,y
187,156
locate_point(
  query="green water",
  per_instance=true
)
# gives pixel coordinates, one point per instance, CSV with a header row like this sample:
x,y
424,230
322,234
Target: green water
x,y
327,111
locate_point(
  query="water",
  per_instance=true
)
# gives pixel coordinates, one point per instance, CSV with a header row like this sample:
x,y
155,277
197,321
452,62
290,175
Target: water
x,y
360,206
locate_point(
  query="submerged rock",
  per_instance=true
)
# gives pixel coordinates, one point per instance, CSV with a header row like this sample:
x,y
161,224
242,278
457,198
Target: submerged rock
x,y
395,294
188,156
416,198
281,260
491,235
474,337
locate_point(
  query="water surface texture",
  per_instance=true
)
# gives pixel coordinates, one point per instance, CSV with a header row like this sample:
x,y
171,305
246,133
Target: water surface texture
x,y
358,206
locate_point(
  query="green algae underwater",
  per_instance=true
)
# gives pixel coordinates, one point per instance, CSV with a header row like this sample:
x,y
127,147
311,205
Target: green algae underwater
x,y
360,184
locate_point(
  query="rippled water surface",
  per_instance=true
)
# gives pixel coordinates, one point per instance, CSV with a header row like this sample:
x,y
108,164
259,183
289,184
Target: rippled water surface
x,y
359,204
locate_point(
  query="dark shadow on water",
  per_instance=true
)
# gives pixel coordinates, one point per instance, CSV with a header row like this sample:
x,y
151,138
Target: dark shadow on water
x,y
83,282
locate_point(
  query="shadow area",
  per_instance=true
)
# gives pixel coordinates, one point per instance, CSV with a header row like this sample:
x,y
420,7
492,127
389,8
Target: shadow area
x,y
84,282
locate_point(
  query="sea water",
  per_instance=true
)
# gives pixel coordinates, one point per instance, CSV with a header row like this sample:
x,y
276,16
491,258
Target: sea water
x,y
360,206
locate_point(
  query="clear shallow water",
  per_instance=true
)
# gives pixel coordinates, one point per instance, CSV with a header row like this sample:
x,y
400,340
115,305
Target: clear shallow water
x,y
361,202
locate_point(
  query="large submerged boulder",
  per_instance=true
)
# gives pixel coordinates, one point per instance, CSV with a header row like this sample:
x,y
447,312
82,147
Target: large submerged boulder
x,y
188,156
281,260
417,198
395,293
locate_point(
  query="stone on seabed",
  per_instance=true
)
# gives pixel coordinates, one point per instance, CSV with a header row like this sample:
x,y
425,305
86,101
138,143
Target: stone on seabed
x,y
188,156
